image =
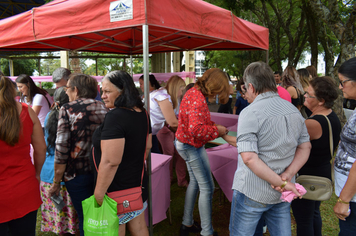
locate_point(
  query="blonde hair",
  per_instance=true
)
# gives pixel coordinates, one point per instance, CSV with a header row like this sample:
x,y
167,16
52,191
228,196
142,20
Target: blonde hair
x,y
214,82
10,123
304,77
174,84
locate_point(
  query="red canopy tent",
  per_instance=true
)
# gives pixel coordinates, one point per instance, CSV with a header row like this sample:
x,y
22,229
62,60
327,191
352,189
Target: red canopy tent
x,y
130,27
90,25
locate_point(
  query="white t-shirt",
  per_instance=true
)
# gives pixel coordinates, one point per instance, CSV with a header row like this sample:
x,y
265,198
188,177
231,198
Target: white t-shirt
x,y
156,115
40,100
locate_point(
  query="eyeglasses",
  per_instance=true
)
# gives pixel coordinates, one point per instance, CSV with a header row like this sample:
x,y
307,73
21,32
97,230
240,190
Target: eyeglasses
x,y
66,88
308,95
342,82
243,89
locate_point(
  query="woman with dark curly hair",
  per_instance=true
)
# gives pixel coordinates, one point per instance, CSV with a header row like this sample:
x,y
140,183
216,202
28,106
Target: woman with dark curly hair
x,y
34,96
319,98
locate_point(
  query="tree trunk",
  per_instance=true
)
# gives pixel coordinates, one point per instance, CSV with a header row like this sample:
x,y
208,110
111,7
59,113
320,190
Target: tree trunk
x,y
75,63
330,15
312,26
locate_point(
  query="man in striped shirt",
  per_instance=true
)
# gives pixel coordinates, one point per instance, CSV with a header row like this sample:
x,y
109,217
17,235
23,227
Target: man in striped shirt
x,y
273,144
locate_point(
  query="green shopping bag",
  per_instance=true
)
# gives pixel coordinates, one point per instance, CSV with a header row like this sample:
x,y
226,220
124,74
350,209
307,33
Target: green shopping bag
x,y
100,220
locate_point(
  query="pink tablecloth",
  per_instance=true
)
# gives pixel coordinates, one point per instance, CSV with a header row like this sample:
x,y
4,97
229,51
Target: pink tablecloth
x,y
223,164
227,120
161,187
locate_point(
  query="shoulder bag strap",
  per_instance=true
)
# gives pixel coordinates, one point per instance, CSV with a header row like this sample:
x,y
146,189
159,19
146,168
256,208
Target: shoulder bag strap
x,y
330,137
331,148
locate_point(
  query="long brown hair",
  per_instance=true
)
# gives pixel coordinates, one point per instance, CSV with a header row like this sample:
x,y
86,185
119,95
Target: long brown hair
x,y
32,88
290,77
10,123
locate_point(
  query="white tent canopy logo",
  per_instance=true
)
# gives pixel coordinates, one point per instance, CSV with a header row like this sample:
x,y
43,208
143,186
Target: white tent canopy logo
x,y
121,10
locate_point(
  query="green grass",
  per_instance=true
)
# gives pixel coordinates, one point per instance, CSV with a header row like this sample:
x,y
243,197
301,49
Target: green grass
x,y
330,221
220,216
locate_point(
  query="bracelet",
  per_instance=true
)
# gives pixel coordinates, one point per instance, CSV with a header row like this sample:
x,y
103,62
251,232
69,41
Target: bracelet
x,y
284,184
55,182
341,201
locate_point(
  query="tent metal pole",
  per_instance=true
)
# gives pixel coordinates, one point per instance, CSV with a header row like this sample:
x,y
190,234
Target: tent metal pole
x,y
147,106
11,67
165,62
96,66
131,66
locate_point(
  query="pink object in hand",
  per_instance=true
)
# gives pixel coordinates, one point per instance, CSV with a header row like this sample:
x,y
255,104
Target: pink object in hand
x,y
288,196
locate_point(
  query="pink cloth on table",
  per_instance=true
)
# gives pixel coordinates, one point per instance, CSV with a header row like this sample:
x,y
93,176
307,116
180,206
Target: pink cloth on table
x,y
161,187
166,139
223,165
220,147
288,196
227,120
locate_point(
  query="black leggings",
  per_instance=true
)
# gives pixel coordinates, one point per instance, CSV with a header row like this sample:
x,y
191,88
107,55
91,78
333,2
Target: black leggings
x,y
24,226
307,215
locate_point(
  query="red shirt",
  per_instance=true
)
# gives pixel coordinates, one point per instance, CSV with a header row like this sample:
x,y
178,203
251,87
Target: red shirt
x,y
19,188
194,123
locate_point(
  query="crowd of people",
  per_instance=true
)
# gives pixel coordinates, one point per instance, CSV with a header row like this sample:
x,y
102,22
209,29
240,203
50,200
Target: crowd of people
x,y
82,147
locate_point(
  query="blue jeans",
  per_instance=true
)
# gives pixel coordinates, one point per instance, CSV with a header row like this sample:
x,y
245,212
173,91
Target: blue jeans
x,y
79,189
348,227
246,213
201,181
259,228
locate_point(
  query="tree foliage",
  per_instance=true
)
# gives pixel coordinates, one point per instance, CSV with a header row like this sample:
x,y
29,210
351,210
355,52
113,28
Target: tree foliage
x,y
233,62
21,66
105,65
48,65
298,26
285,21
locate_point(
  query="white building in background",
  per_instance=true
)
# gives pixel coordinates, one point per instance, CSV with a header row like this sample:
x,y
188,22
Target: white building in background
x,y
307,62
199,60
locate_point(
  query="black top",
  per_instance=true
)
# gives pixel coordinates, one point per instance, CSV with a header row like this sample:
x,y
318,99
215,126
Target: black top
x,y
132,126
300,98
318,163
